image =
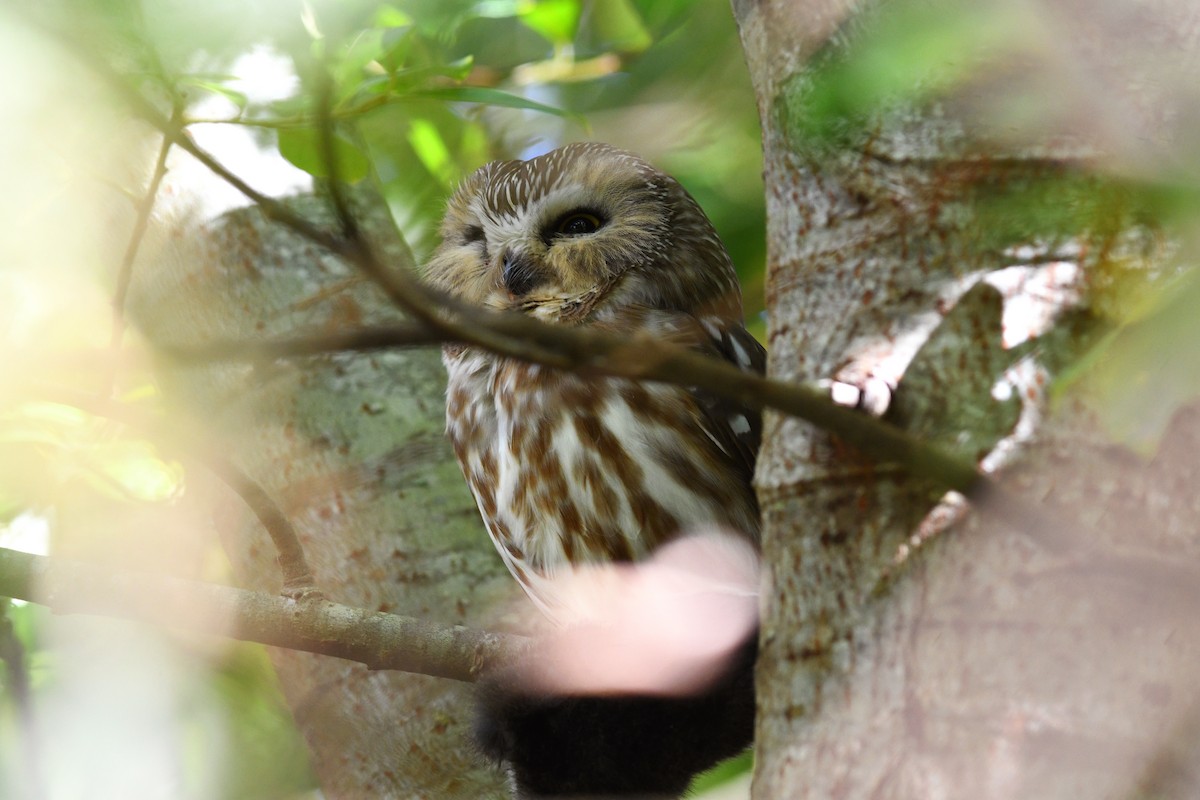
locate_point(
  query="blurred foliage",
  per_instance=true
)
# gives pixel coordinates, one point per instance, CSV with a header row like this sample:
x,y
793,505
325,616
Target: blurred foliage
x,y
421,92
1146,367
47,449
425,92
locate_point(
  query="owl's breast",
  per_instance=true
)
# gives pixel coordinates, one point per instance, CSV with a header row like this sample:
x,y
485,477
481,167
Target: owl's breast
x,y
569,470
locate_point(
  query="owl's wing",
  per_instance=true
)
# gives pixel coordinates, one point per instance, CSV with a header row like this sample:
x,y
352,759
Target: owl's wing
x,y
735,428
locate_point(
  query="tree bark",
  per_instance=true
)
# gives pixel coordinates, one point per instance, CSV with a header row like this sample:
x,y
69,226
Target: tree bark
x,y
988,662
352,448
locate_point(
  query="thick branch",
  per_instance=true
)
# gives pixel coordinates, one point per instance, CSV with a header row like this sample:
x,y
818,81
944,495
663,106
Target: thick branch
x,y
314,625
644,358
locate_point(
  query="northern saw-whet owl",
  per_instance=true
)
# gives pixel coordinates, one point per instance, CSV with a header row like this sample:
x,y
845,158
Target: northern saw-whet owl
x,y
571,469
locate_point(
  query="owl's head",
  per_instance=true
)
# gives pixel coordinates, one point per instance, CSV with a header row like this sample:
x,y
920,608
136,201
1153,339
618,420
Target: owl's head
x,y
579,234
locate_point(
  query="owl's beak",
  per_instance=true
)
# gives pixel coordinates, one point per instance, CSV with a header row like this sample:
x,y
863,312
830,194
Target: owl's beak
x,y
520,275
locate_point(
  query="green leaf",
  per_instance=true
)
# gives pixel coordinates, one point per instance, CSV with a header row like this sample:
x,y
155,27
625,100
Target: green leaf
x,y
72,444
500,9
397,44
367,46
491,97
722,774
427,143
391,17
10,507
556,20
136,471
912,51
302,148
237,98
457,70
1142,373
415,77
618,26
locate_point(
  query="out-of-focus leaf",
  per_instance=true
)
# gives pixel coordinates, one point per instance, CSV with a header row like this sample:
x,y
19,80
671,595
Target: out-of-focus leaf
x,y
1143,372
10,507
42,423
662,16
132,470
617,26
556,20
216,87
500,9
72,444
391,17
290,107
406,79
267,757
427,143
371,87
397,44
368,46
721,775
933,46
309,19
441,19
399,85
491,97
458,69
302,148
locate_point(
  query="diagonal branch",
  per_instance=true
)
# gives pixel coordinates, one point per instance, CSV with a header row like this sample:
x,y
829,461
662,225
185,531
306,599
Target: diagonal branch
x,y
125,273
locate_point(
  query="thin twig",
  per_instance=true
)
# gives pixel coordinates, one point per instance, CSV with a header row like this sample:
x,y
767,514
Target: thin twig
x,y
311,624
125,273
333,168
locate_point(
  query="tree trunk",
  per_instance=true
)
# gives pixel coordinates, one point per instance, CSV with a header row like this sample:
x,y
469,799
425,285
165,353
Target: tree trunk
x,y
988,662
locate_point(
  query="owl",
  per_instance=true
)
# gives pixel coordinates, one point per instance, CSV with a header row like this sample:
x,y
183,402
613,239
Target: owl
x,y
573,469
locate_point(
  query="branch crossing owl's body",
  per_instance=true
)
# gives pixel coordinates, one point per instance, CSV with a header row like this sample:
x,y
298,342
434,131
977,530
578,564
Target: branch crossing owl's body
x,y
570,469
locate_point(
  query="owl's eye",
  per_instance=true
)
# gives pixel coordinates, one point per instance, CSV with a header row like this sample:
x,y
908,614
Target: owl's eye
x,y
473,234
578,223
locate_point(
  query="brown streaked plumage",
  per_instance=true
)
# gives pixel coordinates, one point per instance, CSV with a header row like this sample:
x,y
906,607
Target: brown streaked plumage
x,y
567,469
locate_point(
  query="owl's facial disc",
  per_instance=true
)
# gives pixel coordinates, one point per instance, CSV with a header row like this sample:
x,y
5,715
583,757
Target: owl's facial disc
x,y
554,268
573,236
